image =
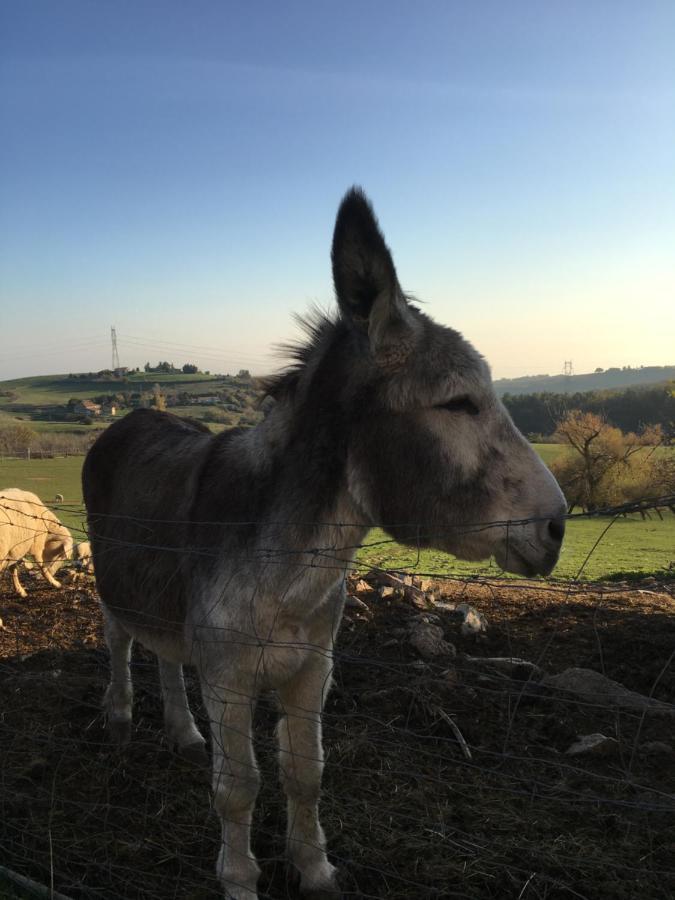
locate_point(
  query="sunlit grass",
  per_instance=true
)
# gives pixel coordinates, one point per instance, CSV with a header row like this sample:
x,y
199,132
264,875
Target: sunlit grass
x,y
593,549
628,544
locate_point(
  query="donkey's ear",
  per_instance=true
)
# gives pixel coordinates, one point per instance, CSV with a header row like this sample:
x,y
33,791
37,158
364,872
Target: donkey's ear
x,y
367,289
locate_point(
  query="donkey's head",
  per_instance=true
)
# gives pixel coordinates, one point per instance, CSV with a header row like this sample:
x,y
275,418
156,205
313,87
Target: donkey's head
x,y
432,453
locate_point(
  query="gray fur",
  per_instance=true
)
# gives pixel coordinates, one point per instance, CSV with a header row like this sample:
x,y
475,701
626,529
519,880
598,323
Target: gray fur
x,y
229,552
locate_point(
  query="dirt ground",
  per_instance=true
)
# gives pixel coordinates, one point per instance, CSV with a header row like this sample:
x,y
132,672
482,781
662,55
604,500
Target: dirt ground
x,y
407,814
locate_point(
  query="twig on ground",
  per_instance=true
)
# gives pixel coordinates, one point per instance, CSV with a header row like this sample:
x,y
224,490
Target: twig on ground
x,y
455,730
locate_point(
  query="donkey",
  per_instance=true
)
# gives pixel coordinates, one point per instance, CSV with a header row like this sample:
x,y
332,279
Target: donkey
x,y
229,552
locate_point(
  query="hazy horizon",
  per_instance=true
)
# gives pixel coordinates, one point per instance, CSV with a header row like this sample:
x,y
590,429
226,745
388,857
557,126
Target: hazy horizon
x,y
175,171
278,364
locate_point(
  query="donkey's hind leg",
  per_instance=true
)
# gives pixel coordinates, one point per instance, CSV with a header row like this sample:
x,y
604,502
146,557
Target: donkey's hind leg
x,y
301,767
119,695
181,730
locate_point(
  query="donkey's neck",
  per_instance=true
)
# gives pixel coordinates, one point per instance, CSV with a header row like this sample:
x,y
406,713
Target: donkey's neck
x,y
284,485
299,459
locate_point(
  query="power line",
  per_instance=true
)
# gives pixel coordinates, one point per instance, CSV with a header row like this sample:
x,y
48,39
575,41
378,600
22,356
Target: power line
x,y
224,358
192,348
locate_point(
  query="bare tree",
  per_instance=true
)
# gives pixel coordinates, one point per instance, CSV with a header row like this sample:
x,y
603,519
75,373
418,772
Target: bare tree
x,y
605,462
16,440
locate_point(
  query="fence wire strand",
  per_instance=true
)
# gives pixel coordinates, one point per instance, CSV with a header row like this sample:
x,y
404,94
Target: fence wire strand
x,y
406,813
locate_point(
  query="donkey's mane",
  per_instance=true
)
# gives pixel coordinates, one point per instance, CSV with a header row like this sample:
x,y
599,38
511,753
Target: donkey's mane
x,y
319,328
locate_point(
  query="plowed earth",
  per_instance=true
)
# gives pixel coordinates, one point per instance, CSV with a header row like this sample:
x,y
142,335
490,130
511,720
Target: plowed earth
x,y
407,814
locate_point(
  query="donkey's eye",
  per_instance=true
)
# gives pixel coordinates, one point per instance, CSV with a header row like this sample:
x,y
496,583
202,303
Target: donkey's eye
x,y
460,404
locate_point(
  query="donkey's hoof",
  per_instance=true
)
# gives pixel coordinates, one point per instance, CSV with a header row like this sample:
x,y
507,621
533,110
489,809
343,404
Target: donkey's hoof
x,y
196,754
329,890
119,731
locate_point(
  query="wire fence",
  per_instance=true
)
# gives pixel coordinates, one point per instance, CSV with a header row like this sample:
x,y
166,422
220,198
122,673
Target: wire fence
x,y
450,733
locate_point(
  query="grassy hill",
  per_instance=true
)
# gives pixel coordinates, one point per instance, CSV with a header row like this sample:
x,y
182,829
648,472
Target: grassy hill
x,y
590,381
54,389
42,401
59,388
39,398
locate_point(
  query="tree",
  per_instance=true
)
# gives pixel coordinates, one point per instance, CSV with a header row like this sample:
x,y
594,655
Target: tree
x,y
190,369
630,409
159,399
605,465
16,440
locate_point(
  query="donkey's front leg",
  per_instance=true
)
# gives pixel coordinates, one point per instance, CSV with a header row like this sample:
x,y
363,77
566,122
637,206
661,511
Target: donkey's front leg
x,y
179,723
235,781
301,767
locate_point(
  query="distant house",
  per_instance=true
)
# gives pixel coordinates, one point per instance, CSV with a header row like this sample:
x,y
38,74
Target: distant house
x,y
88,408
207,401
109,409
120,372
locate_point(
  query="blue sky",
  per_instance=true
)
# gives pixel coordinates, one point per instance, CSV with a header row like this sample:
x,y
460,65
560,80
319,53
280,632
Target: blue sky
x,y
174,169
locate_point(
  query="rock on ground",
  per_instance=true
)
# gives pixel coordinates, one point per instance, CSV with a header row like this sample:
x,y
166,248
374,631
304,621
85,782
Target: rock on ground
x,y
429,642
596,688
592,743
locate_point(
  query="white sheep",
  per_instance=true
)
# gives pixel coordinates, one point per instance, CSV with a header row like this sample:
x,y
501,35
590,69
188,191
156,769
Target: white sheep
x,y
82,553
27,526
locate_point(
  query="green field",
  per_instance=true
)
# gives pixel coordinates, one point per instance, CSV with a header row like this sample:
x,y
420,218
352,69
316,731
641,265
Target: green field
x,y
46,478
40,402
549,452
58,389
168,378
630,545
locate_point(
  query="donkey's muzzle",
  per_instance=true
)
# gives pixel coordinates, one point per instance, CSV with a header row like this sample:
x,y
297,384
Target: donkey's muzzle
x,y
535,550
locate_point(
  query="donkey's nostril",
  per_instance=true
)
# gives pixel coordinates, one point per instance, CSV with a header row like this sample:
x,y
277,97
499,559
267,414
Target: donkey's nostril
x,y
556,529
